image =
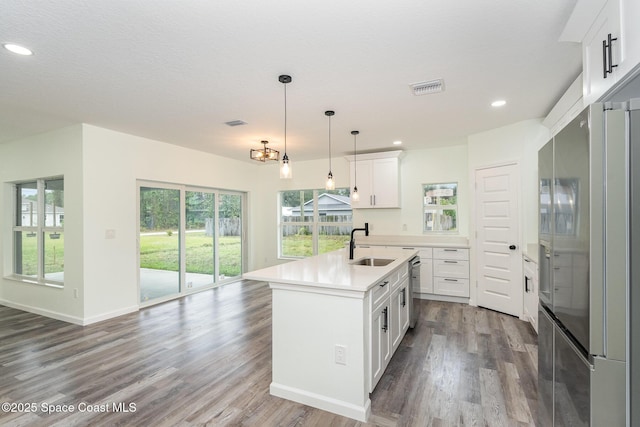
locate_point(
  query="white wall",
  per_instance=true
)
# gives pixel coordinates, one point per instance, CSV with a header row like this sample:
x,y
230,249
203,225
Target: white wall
x,y
518,143
57,153
419,167
113,162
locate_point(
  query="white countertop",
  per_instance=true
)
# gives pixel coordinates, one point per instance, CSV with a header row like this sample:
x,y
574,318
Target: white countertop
x,y
441,241
333,270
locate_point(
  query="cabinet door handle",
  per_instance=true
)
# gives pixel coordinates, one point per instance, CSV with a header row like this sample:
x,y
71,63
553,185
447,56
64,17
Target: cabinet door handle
x,y
385,320
374,200
383,284
607,55
404,297
526,284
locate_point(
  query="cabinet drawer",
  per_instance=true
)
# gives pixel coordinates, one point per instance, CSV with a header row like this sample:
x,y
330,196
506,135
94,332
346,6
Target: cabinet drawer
x,y
403,273
452,287
451,268
451,253
380,292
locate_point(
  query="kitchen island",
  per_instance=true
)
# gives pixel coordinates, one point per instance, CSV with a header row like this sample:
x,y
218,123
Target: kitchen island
x,y
336,324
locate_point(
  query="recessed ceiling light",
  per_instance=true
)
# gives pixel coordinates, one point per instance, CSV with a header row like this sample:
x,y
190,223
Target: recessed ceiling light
x,y
397,142
498,103
20,50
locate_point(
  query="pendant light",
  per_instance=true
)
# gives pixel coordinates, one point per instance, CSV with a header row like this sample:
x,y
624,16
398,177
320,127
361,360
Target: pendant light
x,y
285,167
354,194
330,185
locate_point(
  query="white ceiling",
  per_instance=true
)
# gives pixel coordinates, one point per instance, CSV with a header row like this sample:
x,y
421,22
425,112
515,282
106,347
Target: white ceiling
x,y
176,70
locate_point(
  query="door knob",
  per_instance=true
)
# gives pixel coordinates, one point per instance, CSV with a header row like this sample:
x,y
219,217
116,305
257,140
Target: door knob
x,y
512,247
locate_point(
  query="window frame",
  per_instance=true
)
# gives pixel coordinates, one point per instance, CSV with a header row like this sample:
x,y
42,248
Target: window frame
x,y
314,225
41,229
439,208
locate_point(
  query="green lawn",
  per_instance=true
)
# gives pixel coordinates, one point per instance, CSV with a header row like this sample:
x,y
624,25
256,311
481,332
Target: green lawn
x,y
53,254
160,252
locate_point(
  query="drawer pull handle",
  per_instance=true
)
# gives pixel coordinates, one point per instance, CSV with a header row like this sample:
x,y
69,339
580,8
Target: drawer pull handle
x,y
451,250
451,262
451,280
383,284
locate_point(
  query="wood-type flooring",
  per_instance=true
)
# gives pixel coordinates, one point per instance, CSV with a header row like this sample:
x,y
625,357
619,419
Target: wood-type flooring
x,y
206,360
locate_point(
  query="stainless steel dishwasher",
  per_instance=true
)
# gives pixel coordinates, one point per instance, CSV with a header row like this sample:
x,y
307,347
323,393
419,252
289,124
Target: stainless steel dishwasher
x,y
414,286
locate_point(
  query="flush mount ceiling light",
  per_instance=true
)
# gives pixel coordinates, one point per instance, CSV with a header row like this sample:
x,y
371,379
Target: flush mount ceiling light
x,y
264,154
354,194
285,167
331,184
397,142
499,103
17,49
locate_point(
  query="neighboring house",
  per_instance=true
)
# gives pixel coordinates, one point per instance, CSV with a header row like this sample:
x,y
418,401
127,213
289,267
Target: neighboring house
x,y
329,205
54,215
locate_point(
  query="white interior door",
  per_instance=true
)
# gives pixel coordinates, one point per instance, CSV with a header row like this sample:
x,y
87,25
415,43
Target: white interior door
x,y
499,261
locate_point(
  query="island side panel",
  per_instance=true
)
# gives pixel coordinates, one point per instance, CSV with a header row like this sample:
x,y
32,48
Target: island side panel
x,y
307,326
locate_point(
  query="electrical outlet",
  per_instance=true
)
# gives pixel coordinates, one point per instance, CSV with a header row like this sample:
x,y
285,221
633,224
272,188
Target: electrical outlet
x,y
341,354
75,293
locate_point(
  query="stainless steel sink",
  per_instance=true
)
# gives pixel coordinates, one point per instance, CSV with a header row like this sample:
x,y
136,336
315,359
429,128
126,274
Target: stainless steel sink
x,y
373,262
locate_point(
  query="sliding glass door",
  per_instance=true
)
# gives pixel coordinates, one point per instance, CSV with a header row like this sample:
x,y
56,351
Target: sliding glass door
x,y
189,239
199,239
230,232
159,241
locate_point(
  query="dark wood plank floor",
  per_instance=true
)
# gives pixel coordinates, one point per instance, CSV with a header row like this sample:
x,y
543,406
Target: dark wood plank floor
x,y
206,360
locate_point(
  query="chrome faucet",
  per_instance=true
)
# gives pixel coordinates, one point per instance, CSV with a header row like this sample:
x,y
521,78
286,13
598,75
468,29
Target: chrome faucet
x,y
352,243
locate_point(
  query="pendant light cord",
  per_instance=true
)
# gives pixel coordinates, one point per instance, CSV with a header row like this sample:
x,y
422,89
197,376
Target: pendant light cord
x,y
285,119
329,144
355,159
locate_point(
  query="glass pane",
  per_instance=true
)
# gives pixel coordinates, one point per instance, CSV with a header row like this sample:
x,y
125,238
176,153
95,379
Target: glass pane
x,y
297,206
335,206
199,239
54,203
26,253
54,256
27,215
159,242
230,235
440,194
331,238
440,220
297,241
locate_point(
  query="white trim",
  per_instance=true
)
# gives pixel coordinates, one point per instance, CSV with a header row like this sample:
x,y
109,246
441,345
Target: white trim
x,y
110,315
42,312
340,407
446,298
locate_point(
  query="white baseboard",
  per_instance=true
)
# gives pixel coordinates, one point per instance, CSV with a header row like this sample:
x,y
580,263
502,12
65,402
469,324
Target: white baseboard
x,y
445,298
110,315
46,313
70,319
359,413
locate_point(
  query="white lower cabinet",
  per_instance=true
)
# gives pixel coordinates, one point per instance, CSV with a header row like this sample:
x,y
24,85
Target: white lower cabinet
x,y
451,272
389,320
380,343
399,313
530,303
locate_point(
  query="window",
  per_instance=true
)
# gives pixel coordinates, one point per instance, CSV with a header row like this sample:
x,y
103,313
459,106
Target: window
x,y
440,207
38,230
313,221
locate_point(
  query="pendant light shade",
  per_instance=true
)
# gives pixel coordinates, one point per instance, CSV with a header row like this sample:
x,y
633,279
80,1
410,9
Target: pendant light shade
x,y
354,193
330,184
285,167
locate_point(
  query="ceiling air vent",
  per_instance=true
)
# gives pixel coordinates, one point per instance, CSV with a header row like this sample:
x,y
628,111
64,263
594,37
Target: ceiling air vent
x,y
425,88
235,123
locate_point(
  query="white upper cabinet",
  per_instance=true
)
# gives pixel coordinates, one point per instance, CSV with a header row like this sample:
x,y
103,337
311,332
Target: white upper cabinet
x,y
601,53
377,176
610,36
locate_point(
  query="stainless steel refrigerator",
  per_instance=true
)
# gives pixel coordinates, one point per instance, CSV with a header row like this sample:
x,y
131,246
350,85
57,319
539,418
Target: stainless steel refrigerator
x,y
585,212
